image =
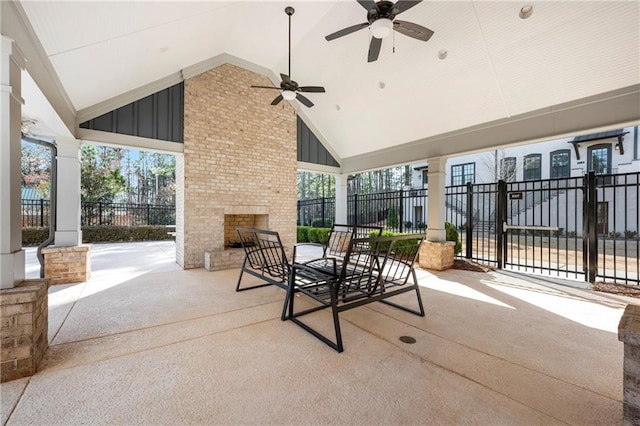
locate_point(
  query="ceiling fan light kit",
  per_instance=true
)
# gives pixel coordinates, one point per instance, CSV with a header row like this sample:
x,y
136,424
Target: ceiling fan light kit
x,y
381,28
289,95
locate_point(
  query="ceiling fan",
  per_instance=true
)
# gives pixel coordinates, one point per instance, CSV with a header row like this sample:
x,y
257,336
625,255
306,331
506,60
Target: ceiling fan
x,y
380,18
290,89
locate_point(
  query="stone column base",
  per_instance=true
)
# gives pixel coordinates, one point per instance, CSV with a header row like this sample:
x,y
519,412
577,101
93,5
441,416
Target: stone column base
x,y
63,265
629,333
437,255
24,316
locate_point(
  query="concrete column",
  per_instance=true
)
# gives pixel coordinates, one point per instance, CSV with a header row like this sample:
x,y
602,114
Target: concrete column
x,y
436,200
12,261
68,231
341,199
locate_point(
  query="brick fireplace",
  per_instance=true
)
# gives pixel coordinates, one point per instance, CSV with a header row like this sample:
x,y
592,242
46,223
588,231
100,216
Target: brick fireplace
x,y
238,168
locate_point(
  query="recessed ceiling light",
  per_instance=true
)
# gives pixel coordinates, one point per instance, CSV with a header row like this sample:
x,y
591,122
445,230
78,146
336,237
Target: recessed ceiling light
x,y
526,11
163,49
442,53
381,85
337,107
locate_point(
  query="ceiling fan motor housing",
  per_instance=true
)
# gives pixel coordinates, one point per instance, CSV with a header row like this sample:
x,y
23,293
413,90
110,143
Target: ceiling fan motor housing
x,y
384,9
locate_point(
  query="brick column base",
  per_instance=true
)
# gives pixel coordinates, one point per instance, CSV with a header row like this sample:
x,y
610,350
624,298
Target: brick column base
x,y
24,315
63,265
629,333
437,255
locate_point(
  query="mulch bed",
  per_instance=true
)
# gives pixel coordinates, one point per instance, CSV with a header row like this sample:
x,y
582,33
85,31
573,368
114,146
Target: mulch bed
x,y
619,289
468,265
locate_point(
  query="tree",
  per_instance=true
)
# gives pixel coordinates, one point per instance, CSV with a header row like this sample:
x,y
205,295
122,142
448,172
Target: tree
x,y
101,179
36,168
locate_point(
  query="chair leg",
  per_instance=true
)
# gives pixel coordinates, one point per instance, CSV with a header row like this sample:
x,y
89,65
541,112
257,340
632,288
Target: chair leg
x,y
418,295
336,320
241,273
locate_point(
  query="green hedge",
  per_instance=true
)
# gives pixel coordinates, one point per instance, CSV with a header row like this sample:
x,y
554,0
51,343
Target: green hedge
x,y
34,236
318,235
103,234
452,235
108,233
302,234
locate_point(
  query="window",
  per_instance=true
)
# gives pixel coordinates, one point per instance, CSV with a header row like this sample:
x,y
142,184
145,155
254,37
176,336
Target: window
x,y
425,178
508,169
561,163
532,166
599,159
463,173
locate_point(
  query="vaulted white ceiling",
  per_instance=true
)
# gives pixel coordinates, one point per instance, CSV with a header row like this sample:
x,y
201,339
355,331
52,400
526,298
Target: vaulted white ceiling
x,y
501,72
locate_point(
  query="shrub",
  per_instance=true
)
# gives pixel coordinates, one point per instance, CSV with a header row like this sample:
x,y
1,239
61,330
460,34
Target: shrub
x,y
319,223
34,236
312,233
408,224
323,235
302,234
452,235
110,233
629,235
319,235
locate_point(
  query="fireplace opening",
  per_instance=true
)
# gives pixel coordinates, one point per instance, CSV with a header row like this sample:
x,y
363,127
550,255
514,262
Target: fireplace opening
x,y
231,221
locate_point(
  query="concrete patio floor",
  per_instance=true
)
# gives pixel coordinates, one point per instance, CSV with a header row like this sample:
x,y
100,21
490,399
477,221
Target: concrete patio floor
x,y
144,342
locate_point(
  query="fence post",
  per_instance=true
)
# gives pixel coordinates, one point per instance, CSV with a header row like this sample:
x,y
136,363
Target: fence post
x,y
99,212
322,212
401,210
41,212
501,218
355,210
469,230
148,214
591,220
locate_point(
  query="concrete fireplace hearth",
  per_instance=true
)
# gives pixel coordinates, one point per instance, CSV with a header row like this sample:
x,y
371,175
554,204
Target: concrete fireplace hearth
x,y
238,168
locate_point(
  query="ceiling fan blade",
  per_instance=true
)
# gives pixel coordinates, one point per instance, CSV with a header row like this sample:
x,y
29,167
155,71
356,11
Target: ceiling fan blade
x,y
374,49
277,100
285,78
306,102
402,5
345,31
265,87
367,4
311,89
412,30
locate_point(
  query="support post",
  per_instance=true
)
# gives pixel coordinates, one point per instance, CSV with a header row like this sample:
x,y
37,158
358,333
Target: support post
x,y
68,231
436,253
341,199
12,258
436,201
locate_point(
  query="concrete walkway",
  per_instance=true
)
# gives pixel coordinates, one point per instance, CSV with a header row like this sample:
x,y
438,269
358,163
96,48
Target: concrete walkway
x,y
144,342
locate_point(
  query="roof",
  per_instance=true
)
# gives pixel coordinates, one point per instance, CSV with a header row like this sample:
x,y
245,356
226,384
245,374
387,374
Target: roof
x,y
599,136
505,80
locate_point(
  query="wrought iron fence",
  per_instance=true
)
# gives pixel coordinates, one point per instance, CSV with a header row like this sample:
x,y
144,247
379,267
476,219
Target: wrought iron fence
x,y
36,213
579,227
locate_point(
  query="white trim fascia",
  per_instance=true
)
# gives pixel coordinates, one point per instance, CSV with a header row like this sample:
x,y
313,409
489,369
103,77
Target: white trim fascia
x,y
127,141
607,111
318,168
141,92
15,25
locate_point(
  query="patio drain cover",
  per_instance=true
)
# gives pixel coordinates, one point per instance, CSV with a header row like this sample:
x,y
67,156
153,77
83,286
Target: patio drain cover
x,y
407,339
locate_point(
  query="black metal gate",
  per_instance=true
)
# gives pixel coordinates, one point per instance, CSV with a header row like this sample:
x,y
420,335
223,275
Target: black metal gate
x,y
575,227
